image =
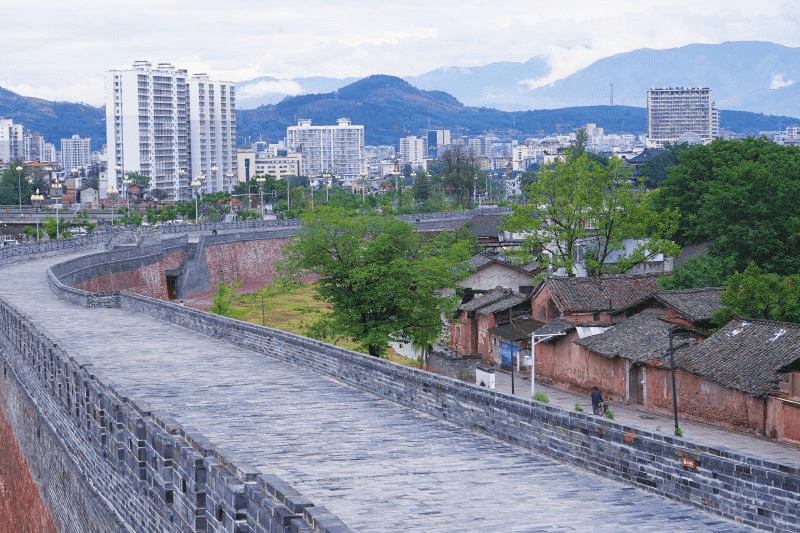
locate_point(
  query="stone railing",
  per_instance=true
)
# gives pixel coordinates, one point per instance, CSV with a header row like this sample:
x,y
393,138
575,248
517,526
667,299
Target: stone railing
x,y
757,492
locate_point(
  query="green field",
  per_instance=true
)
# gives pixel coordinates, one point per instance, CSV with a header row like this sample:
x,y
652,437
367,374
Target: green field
x,y
294,311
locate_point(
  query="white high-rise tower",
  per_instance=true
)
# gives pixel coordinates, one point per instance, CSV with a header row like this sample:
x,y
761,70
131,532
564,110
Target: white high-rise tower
x,y
149,121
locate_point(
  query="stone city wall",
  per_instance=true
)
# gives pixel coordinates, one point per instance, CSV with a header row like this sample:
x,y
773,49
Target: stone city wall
x,y
757,492
104,463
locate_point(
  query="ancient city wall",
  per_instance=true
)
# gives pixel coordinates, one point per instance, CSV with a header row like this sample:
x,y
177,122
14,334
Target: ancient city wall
x,y
738,487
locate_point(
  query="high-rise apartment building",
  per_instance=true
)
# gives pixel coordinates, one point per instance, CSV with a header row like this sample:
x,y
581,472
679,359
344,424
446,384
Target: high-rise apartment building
x,y
34,146
681,114
12,140
171,128
336,149
212,127
76,152
412,151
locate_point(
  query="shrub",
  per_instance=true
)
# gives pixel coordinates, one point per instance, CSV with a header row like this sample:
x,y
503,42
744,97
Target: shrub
x,y
679,432
609,414
541,397
578,407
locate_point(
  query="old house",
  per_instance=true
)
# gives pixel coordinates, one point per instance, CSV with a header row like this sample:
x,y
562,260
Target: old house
x,y
470,331
693,308
597,300
491,272
746,376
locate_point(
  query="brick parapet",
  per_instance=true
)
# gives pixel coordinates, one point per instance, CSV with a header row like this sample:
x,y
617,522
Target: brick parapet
x,y
756,492
126,468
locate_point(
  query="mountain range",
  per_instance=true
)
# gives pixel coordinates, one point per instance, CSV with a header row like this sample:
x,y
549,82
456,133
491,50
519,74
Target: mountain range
x,y
754,76
390,107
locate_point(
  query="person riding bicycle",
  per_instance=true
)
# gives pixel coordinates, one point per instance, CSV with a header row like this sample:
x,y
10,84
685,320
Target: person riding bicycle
x,y
597,401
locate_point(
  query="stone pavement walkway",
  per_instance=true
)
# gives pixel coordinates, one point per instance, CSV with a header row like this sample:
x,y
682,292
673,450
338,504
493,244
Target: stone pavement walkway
x,y
377,465
637,417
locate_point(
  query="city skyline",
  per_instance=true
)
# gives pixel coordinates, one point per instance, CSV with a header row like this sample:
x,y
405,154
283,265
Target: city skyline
x,y
240,41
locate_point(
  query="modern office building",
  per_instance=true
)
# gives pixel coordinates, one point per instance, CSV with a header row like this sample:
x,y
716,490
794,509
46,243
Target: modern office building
x,y
678,114
437,140
12,141
172,128
252,163
336,149
412,152
76,152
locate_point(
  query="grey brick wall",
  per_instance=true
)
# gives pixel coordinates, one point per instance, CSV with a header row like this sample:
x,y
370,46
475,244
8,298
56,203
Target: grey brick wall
x,y
753,491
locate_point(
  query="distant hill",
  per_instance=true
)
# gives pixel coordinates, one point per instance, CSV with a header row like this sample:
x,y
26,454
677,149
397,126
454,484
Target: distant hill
x,y
747,76
55,120
754,76
390,108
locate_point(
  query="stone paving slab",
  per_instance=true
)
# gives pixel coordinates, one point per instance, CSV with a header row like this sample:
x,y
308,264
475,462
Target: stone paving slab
x,y
375,464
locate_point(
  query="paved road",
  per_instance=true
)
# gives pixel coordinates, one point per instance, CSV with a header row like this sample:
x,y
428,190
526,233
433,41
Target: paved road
x,y
634,416
375,464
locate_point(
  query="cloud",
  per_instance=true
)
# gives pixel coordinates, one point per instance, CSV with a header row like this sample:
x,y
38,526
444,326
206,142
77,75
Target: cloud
x,y
259,88
778,82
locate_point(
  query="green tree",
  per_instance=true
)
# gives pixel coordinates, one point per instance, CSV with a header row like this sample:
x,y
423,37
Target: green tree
x,y
654,170
580,207
707,270
459,174
760,295
744,197
223,299
9,185
381,277
138,179
422,187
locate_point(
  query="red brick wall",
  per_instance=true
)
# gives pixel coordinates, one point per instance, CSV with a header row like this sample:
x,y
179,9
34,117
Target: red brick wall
x,y
783,420
484,324
702,400
21,507
150,280
575,368
461,334
252,260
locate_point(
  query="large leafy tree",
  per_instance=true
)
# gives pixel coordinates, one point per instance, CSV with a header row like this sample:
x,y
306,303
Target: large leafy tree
x,y
10,182
760,295
459,174
579,206
744,196
382,278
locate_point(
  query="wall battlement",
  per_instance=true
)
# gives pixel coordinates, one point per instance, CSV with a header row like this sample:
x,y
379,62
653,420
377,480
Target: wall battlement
x,y
131,465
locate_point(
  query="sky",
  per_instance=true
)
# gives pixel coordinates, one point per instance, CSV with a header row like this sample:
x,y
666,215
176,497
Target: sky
x,y
61,50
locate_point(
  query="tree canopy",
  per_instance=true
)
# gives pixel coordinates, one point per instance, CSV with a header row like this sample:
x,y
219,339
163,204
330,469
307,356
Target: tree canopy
x,y
744,197
381,277
756,294
578,206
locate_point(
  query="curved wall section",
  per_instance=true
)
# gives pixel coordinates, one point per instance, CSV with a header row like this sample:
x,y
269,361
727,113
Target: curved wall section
x,y
739,487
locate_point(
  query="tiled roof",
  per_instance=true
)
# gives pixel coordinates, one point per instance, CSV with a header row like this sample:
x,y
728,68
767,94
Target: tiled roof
x,y
478,260
482,261
745,355
486,225
485,299
611,293
555,326
695,304
640,338
505,303
521,329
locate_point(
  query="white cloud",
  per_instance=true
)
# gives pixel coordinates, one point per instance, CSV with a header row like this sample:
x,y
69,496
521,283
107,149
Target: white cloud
x,y
259,88
778,82
239,40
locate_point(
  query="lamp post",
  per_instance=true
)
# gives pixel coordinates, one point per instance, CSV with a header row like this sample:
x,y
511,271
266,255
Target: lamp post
x,y
196,184
19,186
261,180
36,199
56,189
288,192
181,173
112,195
311,188
674,388
214,176
126,182
230,176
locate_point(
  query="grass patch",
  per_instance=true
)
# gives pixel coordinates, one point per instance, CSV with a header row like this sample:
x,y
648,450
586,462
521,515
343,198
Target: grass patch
x,y
541,397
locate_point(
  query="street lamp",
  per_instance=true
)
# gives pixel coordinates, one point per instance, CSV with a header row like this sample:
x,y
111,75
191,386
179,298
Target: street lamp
x,y
261,180
126,181
214,175
196,184
55,188
36,199
112,194
19,186
230,176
